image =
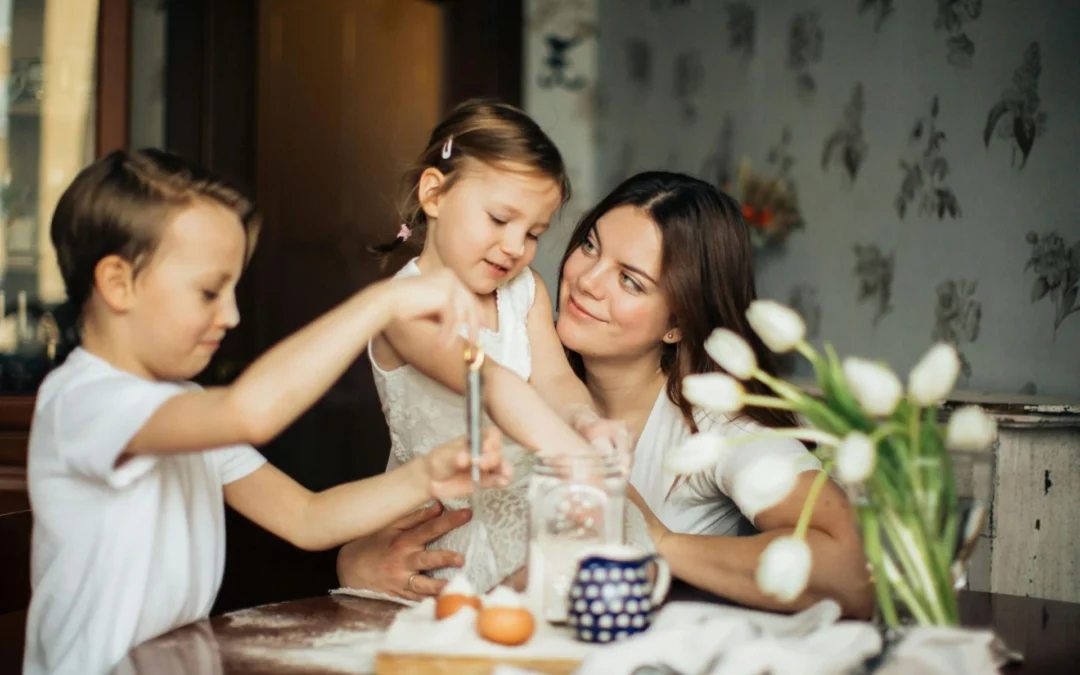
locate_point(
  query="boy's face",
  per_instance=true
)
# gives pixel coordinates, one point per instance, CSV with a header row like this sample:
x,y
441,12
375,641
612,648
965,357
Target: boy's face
x,y
185,298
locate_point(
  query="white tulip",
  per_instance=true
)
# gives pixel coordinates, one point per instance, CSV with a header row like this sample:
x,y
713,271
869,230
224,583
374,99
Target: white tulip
x,y
763,483
876,387
970,430
778,326
713,391
732,353
784,568
700,452
934,376
855,458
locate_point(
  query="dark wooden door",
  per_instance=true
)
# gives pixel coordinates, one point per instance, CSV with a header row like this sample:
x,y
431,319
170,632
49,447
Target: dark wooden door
x,y
348,91
315,107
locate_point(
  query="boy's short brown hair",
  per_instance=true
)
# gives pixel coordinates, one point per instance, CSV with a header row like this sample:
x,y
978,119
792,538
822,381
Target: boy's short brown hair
x,y
121,204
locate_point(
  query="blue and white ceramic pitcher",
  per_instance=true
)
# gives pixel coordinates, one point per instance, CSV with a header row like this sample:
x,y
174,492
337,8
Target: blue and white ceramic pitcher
x,y
613,596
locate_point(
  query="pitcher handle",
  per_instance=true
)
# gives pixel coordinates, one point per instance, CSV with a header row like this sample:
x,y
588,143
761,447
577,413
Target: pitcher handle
x,y
663,580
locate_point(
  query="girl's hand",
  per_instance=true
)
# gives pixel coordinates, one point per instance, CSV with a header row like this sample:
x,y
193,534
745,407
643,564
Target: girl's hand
x,y
440,296
449,467
605,435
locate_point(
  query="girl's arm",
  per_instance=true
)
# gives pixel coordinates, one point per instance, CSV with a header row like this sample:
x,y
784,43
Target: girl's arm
x,y
726,565
557,383
291,377
513,404
323,520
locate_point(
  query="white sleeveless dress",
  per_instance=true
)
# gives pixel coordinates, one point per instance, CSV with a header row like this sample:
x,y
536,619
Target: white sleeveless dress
x,y
422,414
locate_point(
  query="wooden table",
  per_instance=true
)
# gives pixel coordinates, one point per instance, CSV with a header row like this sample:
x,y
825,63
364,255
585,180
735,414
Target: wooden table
x,y
326,635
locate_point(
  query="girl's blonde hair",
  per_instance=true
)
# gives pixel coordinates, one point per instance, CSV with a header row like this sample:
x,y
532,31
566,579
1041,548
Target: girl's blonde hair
x,y
486,131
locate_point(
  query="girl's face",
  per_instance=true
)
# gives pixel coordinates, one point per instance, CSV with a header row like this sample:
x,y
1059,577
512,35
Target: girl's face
x,y
611,303
485,227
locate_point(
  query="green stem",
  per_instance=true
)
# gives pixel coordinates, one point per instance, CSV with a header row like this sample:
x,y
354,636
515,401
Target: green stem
x,y
896,579
811,498
913,434
804,348
754,400
887,429
913,552
803,402
872,545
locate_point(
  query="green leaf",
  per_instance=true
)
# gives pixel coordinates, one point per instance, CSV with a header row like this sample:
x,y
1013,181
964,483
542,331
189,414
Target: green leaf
x,y
838,396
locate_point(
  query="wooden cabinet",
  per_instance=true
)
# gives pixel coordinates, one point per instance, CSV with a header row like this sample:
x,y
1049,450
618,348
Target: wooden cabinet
x,y
15,415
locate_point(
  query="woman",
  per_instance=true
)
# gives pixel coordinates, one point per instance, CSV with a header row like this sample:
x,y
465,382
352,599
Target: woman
x,y
648,274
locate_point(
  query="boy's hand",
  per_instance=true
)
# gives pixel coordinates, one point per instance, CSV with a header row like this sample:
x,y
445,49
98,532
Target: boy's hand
x,y
440,296
449,467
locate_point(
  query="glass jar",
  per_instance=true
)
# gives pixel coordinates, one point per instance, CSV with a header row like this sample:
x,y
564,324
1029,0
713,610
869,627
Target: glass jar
x,y
575,502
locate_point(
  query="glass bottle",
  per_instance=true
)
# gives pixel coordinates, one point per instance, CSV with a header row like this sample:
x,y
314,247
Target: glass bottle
x,y
575,502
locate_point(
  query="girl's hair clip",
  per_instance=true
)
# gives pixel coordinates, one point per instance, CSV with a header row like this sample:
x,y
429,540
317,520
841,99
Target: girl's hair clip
x,y
404,233
447,147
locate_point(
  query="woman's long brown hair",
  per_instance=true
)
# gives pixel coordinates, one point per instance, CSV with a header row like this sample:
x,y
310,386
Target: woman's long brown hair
x,y
707,275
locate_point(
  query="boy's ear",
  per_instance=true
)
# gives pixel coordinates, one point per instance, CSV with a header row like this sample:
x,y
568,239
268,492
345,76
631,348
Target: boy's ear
x,y
115,282
429,189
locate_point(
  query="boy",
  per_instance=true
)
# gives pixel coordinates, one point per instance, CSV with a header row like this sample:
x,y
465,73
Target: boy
x,y
129,463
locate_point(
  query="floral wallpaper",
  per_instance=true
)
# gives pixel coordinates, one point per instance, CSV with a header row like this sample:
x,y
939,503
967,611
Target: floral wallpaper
x,y
935,145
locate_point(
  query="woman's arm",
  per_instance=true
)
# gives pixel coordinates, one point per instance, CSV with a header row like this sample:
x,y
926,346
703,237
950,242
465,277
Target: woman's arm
x,y
726,565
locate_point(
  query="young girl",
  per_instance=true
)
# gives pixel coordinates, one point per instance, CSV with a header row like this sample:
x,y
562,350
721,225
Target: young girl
x,y
130,465
480,195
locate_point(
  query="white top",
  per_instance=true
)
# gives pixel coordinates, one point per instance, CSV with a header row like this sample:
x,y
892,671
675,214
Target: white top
x,y
422,413
119,554
702,503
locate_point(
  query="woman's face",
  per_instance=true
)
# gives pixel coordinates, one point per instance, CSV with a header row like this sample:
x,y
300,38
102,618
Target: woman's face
x,y
610,300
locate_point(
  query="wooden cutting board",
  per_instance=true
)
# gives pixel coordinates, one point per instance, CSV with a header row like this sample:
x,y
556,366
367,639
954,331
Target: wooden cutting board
x,y
391,663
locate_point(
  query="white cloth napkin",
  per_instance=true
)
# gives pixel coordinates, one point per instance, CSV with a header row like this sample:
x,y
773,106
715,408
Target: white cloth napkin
x,y
706,639
944,651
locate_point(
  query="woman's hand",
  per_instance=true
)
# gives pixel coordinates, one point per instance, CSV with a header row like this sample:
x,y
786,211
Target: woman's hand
x,y
393,561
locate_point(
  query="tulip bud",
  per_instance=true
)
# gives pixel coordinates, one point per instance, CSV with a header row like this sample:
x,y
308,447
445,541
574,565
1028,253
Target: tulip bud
x,y
970,430
700,452
784,568
855,458
713,391
874,386
763,483
778,326
732,353
934,376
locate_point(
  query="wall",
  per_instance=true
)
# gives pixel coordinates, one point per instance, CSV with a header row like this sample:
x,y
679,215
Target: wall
x,y
560,92
829,94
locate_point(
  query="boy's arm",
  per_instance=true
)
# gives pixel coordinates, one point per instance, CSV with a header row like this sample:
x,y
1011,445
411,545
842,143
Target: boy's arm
x,y
295,373
323,520
514,405
318,521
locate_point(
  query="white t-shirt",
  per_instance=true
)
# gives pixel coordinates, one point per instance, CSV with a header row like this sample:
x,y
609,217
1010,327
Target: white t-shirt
x,y
119,554
702,503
